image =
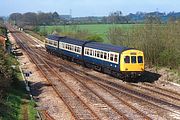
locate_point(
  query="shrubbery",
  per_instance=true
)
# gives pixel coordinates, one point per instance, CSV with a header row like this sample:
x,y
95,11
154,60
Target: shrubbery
x,y
96,38
6,72
160,42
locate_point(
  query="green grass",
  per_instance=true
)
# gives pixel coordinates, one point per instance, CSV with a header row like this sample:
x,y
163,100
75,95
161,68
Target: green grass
x,y
32,113
99,29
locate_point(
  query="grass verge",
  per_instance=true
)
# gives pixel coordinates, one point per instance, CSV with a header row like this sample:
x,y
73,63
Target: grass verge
x,y
17,105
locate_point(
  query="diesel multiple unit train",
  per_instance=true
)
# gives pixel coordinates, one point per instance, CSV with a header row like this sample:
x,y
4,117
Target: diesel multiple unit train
x,y
116,60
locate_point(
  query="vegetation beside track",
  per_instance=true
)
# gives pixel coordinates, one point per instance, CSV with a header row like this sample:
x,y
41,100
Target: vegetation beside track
x,y
13,95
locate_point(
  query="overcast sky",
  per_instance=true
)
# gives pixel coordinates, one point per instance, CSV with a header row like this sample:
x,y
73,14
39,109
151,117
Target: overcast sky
x,y
87,7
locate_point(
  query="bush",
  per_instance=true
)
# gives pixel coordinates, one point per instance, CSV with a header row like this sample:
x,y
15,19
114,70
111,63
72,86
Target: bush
x,y
116,35
96,38
80,34
6,72
43,33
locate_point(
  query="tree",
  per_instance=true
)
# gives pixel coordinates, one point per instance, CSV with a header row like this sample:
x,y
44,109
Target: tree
x,y
116,35
152,19
45,18
1,21
116,17
55,17
30,18
16,17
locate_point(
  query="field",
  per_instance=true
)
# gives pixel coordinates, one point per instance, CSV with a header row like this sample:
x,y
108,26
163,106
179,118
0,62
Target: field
x,y
99,29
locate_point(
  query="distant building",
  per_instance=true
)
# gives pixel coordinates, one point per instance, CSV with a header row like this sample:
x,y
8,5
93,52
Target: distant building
x,y
3,41
65,17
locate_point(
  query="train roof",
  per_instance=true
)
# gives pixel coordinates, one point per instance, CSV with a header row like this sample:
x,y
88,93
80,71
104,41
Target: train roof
x,y
54,37
95,45
73,41
107,47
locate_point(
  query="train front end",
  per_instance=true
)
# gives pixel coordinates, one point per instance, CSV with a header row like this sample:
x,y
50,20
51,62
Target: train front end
x,y
132,62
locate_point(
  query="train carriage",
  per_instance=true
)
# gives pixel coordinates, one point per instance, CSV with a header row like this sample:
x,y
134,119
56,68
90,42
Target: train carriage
x,y
72,48
103,55
51,43
116,59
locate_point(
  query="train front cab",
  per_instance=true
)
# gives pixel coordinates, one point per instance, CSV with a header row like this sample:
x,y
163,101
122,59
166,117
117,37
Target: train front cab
x,y
132,62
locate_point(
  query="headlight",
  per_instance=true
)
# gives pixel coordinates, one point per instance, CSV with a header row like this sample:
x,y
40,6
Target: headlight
x,y
126,69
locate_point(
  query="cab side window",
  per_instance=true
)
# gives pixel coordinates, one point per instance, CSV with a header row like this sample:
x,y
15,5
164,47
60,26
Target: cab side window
x,y
126,59
140,59
115,58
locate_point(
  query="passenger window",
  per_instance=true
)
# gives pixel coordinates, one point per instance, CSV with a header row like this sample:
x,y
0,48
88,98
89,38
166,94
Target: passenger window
x,y
87,51
111,57
55,43
78,50
66,46
98,53
126,59
115,58
133,59
95,53
140,59
105,55
50,42
101,54
91,52
72,48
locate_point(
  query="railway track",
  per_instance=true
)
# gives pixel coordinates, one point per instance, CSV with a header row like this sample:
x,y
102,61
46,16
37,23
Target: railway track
x,y
111,88
161,94
115,102
47,116
78,108
118,88
141,93
165,91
